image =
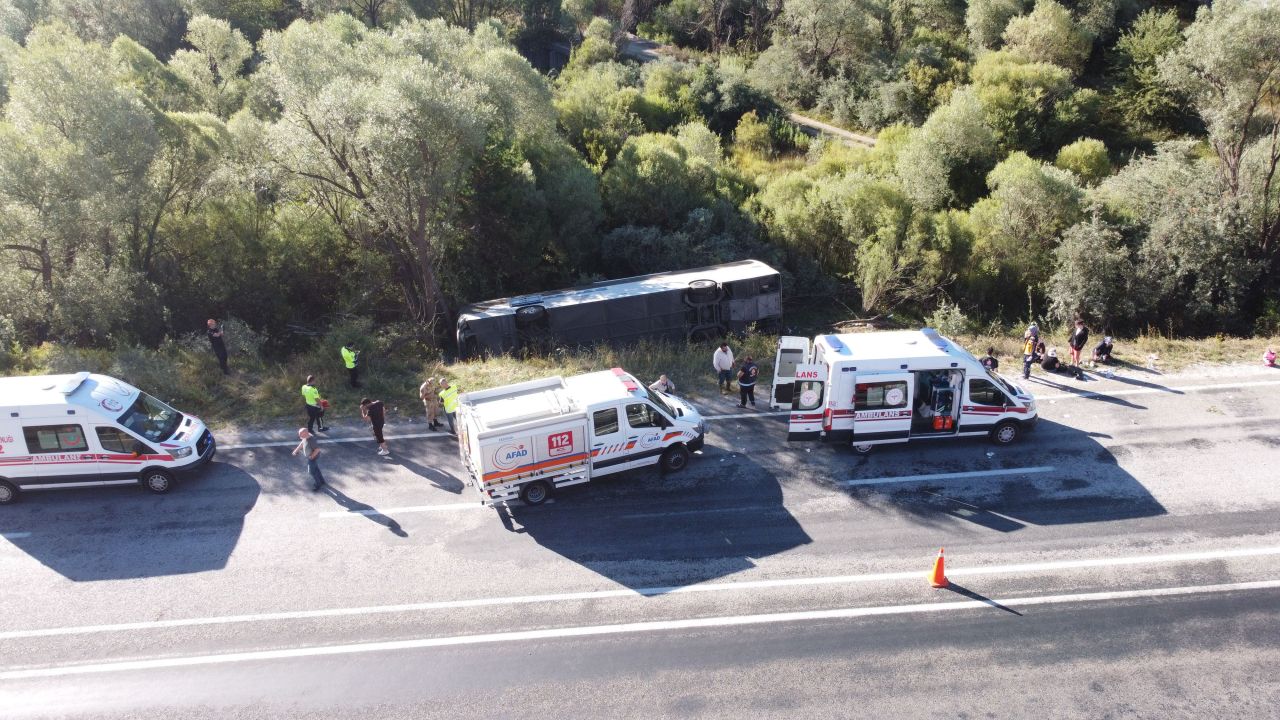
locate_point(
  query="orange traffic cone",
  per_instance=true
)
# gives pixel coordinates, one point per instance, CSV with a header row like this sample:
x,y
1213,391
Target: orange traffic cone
x,y
938,578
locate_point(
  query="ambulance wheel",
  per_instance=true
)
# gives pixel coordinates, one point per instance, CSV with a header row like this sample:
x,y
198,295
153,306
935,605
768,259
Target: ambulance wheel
x,y
157,481
1005,433
535,493
864,448
8,493
675,458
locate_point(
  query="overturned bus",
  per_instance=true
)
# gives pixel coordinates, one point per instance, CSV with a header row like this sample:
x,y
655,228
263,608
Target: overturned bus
x,y
702,303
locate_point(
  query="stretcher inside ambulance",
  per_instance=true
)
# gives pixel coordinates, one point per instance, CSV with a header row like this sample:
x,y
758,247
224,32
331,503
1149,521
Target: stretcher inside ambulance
x,y
526,440
896,386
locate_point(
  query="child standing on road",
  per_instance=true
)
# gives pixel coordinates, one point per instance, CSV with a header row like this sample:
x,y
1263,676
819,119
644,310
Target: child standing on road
x,y
310,450
372,412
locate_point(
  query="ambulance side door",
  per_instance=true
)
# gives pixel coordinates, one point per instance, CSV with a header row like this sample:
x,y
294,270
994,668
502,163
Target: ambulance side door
x,y
608,441
122,455
647,427
60,453
882,406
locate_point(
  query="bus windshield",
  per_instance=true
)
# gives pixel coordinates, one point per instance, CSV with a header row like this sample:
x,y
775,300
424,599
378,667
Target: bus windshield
x,y
151,418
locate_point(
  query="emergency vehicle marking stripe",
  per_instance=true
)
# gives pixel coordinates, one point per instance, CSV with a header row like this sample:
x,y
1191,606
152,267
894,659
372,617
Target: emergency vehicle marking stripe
x,y
670,435
534,466
802,418
880,419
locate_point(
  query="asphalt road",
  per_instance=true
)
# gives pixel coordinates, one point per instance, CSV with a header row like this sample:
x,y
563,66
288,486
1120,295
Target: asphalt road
x,y
1119,561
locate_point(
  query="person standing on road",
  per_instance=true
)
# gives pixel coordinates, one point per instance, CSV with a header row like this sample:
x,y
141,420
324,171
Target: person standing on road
x,y
310,450
1029,342
990,362
722,361
449,398
1079,337
351,360
373,413
1269,357
216,343
747,382
314,405
430,394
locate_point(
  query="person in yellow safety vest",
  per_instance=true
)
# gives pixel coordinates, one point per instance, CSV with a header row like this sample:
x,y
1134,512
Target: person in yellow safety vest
x,y
449,397
350,358
314,405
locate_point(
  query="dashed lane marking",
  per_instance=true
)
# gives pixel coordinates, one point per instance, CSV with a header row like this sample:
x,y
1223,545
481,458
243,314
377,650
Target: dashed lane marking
x,y
947,476
1022,568
624,628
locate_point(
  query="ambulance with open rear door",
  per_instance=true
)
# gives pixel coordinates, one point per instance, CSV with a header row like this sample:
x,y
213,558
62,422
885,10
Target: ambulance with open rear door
x,y
876,388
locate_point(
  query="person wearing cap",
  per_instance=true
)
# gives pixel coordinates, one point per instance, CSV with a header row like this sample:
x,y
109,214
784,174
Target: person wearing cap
x,y
722,361
1050,362
1102,353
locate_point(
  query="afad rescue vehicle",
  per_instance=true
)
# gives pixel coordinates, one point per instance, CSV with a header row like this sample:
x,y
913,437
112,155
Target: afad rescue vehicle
x,y
526,440
65,431
875,388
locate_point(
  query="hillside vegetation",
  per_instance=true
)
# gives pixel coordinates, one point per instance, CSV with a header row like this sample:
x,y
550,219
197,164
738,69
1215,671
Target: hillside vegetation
x,y
321,167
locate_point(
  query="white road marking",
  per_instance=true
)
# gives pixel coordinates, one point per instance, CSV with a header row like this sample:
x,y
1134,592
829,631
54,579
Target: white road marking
x,y
947,476
324,440
738,416
15,535
623,628
1171,390
1084,563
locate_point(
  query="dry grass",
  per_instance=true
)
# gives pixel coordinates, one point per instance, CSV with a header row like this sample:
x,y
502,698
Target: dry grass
x,y
1174,353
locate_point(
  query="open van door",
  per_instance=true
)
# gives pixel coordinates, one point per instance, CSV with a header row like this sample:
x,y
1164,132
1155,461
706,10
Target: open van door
x,y
809,394
792,351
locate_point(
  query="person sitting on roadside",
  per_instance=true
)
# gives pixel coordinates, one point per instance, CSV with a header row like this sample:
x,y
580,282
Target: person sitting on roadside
x,y
1050,362
1269,357
1102,352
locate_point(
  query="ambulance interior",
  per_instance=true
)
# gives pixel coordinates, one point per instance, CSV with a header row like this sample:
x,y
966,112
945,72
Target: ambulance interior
x,y
937,401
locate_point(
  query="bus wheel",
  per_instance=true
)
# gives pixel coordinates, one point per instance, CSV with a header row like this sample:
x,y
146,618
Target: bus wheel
x,y
1005,433
8,492
675,458
157,481
535,493
863,449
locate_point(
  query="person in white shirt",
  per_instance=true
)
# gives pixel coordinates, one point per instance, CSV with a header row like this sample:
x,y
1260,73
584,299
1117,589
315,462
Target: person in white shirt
x,y
722,361
663,385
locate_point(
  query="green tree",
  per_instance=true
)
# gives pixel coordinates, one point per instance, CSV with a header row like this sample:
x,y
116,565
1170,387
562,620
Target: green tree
x,y
656,180
937,164
1145,101
598,110
1048,35
213,68
987,19
1087,158
1094,275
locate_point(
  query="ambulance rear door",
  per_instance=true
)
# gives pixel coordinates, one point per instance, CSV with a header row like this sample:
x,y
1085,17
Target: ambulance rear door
x,y
808,394
792,351
882,408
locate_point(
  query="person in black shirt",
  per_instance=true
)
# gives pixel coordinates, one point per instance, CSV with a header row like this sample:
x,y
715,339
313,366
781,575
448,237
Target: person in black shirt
x,y
990,362
214,331
1102,353
1079,337
372,412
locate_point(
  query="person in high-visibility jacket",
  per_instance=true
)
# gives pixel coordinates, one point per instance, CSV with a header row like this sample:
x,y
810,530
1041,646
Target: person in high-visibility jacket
x,y
449,397
351,359
314,405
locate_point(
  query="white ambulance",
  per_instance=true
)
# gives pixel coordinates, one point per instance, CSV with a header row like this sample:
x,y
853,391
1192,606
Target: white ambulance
x,y
527,439
64,431
876,388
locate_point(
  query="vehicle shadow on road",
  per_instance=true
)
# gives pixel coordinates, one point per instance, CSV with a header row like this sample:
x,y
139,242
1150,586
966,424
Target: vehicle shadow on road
x,y
368,511
1074,479
646,530
124,533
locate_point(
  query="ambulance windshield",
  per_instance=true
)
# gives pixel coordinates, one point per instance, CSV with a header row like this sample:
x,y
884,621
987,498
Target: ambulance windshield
x,y
151,418
658,399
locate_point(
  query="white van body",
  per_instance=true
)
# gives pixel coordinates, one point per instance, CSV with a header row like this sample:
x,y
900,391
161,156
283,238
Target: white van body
x,y
63,431
895,386
527,439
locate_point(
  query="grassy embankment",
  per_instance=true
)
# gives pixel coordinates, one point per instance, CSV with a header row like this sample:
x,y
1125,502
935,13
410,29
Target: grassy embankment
x,y
261,393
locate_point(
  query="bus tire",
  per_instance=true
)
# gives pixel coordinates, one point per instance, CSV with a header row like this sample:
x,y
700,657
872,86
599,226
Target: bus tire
x,y
530,314
675,459
703,291
864,448
1005,432
8,492
157,480
535,493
